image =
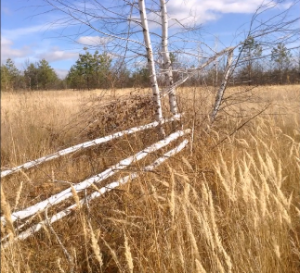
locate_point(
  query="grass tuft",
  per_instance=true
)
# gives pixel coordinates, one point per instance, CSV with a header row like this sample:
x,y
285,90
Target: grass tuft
x,y
228,203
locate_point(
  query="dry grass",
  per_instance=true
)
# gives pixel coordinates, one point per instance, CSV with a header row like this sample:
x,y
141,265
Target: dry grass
x,y
230,203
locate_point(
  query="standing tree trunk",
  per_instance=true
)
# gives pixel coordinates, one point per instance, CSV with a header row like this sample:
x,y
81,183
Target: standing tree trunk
x,y
249,67
151,65
167,66
222,88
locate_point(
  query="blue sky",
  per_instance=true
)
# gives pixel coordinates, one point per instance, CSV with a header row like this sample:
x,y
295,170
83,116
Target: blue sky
x,y
28,34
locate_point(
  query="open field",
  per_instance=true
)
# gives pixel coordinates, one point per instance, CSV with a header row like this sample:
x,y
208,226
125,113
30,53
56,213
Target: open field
x,y
227,203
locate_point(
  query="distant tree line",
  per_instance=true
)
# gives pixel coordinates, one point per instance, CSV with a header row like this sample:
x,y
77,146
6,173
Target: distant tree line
x,y
36,76
97,70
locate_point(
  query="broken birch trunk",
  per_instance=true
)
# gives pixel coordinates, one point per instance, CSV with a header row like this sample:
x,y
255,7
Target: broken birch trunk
x,y
222,87
59,197
65,212
85,145
194,72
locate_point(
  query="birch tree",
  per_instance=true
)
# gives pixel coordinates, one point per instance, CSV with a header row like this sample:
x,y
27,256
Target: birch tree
x,y
139,32
222,88
167,68
125,28
151,64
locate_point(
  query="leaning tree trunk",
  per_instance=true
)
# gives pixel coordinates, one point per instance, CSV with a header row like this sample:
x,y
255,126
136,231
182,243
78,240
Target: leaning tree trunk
x,y
222,88
151,64
195,71
167,67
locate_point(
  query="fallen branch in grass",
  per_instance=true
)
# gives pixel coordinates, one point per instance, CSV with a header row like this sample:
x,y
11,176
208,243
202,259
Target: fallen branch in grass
x,y
34,163
59,197
30,231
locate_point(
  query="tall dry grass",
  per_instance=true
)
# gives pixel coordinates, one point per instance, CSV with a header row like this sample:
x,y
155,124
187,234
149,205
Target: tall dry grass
x,y
229,203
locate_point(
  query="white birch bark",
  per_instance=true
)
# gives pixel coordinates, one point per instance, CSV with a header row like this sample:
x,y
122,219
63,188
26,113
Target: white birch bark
x,y
85,145
58,216
167,67
151,64
201,67
222,87
65,194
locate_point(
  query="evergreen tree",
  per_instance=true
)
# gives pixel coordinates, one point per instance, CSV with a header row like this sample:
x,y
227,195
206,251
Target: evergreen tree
x,y
47,77
90,71
10,76
250,51
4,78
40,76
281,59
141,77
31,76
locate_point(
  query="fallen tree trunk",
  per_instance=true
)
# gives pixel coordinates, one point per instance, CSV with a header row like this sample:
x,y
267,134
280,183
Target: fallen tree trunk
x,y
59,197
58,216
73,149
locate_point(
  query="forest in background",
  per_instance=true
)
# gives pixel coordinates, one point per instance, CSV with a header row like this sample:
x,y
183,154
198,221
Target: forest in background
x,y
102,71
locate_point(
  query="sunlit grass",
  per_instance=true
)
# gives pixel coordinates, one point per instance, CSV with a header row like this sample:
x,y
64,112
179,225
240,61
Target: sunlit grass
x,y
228,203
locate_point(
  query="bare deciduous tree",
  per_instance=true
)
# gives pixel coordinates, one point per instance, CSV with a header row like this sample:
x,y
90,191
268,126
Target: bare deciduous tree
x,y
140,33
167,68
151,64
124,26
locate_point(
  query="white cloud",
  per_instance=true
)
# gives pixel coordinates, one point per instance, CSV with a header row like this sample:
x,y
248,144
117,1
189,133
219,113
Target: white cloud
x,y
232,6
25,31
191,12
61,73
5,42
93,40
55,54
7,50
199,12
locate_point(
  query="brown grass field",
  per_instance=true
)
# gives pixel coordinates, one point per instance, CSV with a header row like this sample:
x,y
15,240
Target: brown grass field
x,y
230,202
